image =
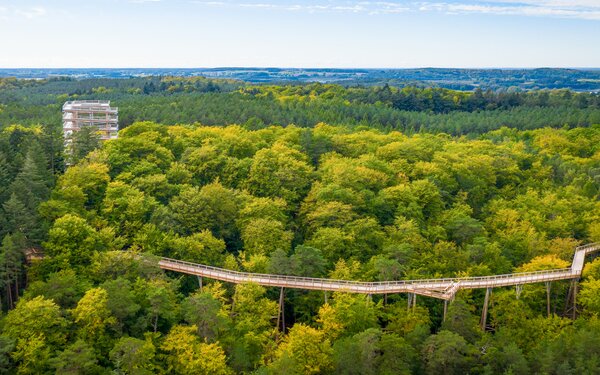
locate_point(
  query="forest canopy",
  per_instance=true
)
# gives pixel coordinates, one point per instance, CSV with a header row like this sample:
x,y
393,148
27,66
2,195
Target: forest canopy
x,y
82,293
178,100
325,202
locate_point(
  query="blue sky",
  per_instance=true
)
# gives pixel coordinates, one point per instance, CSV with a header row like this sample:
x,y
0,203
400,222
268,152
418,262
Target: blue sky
x,y
289,33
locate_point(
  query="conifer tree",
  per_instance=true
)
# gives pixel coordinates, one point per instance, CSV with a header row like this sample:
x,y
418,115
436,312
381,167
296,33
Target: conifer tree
x,y
17,218
84,141
11,266
33,182
30,187
4,177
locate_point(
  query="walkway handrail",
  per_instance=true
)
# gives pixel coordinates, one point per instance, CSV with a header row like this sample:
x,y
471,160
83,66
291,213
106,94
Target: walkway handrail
x,y
362,283
445,286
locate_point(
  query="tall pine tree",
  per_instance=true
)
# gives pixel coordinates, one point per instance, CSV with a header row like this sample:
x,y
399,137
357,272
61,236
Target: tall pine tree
x,y
18,218
12,258
30,187
84,141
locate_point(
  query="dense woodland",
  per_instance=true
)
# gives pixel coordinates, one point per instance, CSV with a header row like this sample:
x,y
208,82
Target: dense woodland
x,y
175,100
81,291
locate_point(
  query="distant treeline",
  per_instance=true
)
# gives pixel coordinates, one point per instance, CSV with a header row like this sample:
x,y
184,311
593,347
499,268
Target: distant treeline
x,y
449,78
173,100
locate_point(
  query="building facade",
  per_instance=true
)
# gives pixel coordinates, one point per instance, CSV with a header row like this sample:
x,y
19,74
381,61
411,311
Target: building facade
x,y
97,113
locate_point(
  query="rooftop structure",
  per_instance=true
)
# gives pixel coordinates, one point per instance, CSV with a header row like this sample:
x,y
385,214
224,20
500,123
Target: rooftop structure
x,y
97,113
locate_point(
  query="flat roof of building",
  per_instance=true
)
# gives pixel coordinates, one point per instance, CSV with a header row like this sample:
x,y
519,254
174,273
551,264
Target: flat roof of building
x,y
87,104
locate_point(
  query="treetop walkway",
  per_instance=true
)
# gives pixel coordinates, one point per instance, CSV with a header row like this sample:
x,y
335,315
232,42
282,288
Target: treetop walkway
x,y
443,288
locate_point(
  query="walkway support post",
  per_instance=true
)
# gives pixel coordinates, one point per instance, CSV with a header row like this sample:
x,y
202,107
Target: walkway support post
x,y
548,297
200,283
568,300
410,298
484,312
281,313
575,284
445,309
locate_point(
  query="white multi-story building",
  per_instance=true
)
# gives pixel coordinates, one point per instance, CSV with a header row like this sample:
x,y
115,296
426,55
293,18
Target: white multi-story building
x,y
97,113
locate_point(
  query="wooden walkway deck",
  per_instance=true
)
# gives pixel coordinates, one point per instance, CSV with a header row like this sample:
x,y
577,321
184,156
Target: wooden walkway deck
x,y
438,288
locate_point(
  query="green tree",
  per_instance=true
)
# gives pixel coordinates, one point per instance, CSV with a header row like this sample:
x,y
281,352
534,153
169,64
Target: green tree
x,y
212,207
11,266
279,263
347,315
71,242
134,356
122,303
589,296
93,316
200,247
91,178
83,142
187,355
403,321
304,350
17,218
32,184
158,298
30,187
78,358
506,359
126,208
447,353
65,288
263,236
5,177
253,325
280,172
7,345
307,261
206,312
460,320
374,352
463,229
39,329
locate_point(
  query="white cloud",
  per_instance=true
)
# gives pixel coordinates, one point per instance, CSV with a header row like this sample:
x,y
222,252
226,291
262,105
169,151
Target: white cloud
x,y
582,9
29,13
553,3
12,12
326,7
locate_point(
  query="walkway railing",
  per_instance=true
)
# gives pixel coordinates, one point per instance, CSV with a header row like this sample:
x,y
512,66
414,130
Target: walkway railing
x,y
443,288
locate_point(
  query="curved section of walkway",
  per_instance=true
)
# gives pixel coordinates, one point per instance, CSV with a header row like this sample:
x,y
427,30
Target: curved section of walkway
x,y
438,288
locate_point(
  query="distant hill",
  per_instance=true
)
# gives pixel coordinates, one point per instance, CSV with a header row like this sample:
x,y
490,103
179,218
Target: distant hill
x,y
457,79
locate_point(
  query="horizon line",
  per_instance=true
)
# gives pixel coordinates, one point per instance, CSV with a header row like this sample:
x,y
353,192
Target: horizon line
x,y
312,68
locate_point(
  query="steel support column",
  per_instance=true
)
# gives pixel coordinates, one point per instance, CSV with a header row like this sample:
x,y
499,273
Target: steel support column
x,y
445,309
575,285
548,297
281,313
484,312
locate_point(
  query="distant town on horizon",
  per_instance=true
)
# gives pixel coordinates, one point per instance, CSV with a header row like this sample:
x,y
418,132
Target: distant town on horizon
x,y
577,79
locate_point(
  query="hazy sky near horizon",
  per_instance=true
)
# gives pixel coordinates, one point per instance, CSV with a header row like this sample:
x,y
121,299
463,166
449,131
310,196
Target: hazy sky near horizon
x,y
290,33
